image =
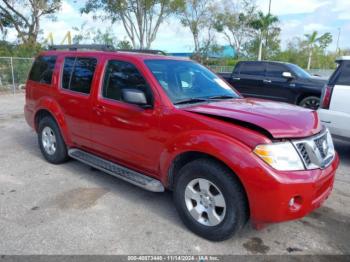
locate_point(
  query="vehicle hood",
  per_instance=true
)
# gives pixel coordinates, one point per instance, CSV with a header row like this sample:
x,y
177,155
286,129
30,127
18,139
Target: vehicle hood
x,y
315,81
280,120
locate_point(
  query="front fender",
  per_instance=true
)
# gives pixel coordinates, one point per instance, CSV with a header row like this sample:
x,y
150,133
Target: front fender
x,y
224,148
50,105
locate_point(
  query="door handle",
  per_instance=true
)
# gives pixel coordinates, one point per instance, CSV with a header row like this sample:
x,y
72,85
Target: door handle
x,y
267,81
236,78
99,109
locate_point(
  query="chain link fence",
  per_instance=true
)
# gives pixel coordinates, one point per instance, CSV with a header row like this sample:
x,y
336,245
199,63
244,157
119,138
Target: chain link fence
x,y
221,69
13,73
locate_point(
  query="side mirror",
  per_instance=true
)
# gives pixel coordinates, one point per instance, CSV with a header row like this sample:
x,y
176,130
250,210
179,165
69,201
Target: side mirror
x,y
287,75
135,96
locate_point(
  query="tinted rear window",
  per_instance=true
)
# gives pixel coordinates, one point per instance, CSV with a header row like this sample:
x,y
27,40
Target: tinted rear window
x,y
342,75
42,69
78,73
252,68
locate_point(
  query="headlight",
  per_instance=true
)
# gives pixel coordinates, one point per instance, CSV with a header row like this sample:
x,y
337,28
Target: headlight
x,y
281,156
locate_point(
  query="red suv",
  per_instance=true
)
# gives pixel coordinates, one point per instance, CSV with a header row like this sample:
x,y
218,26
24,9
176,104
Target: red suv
x,y
161,122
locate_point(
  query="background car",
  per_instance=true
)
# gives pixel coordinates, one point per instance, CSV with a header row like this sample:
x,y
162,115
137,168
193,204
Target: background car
x,y
276,81
335,108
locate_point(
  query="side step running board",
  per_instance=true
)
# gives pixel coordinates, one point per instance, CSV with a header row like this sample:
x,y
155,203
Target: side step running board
x,y
113,169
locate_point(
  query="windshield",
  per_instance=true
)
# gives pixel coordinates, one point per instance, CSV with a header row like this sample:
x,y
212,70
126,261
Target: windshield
x,y
299,71
187,81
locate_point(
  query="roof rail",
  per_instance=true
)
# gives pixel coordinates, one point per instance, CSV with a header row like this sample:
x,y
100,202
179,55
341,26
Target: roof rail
x,y
103,48
145,51
80,47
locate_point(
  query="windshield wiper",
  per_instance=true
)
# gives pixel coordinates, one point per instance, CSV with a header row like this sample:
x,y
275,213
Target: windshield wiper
x,y
221,97
190,100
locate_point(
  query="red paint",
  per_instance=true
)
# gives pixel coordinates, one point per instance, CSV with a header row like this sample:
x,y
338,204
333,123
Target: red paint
x,y
148,140
281,120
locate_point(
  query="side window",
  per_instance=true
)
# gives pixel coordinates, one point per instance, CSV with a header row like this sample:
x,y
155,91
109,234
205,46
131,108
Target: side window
x,y
67,71
344,74
275,70
78,73
252,68
121,75
42,69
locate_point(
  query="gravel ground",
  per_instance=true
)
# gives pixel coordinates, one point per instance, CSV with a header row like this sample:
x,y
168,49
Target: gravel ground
x,y
73,209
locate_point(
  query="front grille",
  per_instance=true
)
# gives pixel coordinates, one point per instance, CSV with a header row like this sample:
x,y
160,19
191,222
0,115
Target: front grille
x,y
316,151
319,143
304,154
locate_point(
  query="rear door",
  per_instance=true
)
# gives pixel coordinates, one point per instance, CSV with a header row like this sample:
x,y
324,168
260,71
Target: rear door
x,y
249,80
275,86
77,79
341,91
338,115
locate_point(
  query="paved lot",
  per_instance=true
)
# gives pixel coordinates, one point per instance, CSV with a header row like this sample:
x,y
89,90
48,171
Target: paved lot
x,y
72,209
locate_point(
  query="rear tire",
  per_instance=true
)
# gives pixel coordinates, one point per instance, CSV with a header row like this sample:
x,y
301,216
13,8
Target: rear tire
x,y
197,212
311,102
50,141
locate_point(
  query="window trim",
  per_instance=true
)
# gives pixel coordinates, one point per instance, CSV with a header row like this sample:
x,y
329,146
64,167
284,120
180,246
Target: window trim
x,y
53,70
102,80
68,90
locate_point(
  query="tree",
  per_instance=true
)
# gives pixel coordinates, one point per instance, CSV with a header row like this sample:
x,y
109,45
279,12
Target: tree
x,y
82,33
24,16
90,35
234,23
272,45
198,16
4,22
207,44
141,18
262,23
313,41
124,44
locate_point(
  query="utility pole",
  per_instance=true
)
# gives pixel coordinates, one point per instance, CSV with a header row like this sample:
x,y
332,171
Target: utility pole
x,y
337,50
267,30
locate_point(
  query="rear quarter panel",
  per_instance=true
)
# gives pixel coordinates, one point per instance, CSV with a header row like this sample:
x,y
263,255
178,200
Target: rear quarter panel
x,y
340,99
337,118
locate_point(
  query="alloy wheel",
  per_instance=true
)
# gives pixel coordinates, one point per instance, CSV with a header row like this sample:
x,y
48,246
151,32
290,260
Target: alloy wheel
x,y
205,202
48,140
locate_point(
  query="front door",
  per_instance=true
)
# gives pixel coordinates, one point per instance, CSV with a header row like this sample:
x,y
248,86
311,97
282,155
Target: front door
x,y
123,132
276,87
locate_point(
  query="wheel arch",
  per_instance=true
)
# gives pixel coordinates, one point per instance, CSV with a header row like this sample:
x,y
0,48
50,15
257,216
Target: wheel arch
x,y
51,109
305,95
39,115
186,157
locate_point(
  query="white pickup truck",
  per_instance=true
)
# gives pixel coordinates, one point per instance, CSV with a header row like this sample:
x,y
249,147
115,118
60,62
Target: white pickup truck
x,y
335,102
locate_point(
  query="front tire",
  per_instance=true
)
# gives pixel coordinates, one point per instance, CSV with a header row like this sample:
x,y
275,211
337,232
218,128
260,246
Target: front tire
x,y
210,200
50,141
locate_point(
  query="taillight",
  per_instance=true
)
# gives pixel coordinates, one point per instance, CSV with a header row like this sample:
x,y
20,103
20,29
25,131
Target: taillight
x,y
326,97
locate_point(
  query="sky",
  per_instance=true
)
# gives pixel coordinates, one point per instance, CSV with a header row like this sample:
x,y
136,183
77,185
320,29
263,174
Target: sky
x,y
297,17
